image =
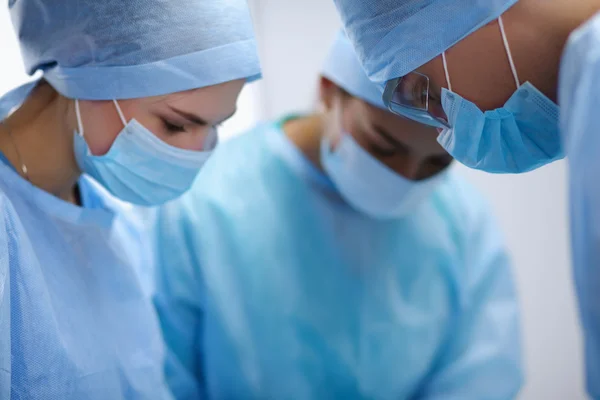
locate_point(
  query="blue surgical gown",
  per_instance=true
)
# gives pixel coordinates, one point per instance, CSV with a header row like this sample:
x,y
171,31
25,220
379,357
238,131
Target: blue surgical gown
x,y
74,321
271,287
579,99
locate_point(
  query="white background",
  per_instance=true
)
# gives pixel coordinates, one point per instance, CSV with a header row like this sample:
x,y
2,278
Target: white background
x,y
11,67
294,36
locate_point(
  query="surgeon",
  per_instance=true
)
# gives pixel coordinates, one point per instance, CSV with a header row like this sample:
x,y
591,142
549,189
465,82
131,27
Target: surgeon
x,y
511,86
125,112
335,256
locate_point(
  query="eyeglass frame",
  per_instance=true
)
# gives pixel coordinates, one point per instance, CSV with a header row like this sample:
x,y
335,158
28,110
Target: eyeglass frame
x,y
406,111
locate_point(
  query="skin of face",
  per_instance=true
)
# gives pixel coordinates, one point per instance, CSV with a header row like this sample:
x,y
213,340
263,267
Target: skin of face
x,y
182,120
406,147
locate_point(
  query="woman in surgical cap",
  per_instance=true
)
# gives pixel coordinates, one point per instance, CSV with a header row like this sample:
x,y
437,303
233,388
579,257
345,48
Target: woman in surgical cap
x,y
125,112
335,256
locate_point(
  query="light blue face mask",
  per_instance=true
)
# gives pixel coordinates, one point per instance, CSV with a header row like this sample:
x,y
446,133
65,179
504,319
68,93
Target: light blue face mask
x,y
519,137
368,185
139,167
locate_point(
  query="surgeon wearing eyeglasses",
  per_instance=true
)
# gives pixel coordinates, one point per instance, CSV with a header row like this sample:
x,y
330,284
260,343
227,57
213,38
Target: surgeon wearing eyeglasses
x,y
511,85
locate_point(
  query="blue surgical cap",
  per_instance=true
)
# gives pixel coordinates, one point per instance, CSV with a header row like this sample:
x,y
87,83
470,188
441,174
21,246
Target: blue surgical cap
x,y
395,37
119,49
343,68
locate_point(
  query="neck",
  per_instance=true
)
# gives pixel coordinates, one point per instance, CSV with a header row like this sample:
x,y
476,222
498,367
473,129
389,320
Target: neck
x,y
39,139
306,133
538,31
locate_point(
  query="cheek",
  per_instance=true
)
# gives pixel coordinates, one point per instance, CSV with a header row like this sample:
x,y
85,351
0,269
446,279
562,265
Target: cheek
x,y
487,82
349,121
349,117
422,141
478,67
101,125
356,123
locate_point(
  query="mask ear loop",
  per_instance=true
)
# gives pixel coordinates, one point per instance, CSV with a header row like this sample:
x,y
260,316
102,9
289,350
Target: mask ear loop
x,y
80,122
508,52
120,112
446,71
78,115
80,125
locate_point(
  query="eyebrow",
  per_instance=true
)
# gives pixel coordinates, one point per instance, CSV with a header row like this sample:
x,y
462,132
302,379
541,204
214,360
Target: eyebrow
x,y
195,119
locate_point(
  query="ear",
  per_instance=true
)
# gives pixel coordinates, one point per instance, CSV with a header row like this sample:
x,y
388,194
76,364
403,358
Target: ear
x,y
328,92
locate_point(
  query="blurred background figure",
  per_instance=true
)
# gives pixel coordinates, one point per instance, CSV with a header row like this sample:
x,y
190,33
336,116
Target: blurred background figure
x,y
318,257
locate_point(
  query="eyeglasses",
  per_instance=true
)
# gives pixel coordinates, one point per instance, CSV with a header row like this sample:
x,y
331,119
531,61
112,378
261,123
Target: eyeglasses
x,y
410,97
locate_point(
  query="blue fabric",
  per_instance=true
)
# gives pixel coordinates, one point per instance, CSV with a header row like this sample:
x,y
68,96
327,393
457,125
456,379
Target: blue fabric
x,y
75,321
395,37
5,161
519,137
271,287
343,68
294,158
579,95
102,50
369,185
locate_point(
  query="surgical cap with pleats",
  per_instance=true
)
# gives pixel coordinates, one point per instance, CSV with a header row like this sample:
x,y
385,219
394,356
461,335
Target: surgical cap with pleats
x,y
343,68
115,49
395,37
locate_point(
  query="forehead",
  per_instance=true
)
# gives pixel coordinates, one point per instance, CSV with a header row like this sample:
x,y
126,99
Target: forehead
x,y
222,92
392,123
212,102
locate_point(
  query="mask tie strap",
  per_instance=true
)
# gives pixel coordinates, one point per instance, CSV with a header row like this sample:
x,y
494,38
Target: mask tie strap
x,y
121,115
508,52
446,71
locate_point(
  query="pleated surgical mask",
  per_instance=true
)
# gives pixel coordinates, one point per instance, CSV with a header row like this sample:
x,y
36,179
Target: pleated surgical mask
x,y
139,167
519,137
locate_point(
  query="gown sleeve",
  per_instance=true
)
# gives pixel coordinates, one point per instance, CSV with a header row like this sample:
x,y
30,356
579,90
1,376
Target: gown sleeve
x,y
482,355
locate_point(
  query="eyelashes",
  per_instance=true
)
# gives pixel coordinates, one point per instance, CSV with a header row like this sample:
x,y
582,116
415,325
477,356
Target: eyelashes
x,y
173,128
176,128
382,152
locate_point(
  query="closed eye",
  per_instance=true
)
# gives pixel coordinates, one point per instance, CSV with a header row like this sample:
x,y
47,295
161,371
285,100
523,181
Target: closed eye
x,y
381,152
172,127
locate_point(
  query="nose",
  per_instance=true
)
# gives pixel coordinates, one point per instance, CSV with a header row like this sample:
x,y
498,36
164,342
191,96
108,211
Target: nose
x,y
194,143
199,140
